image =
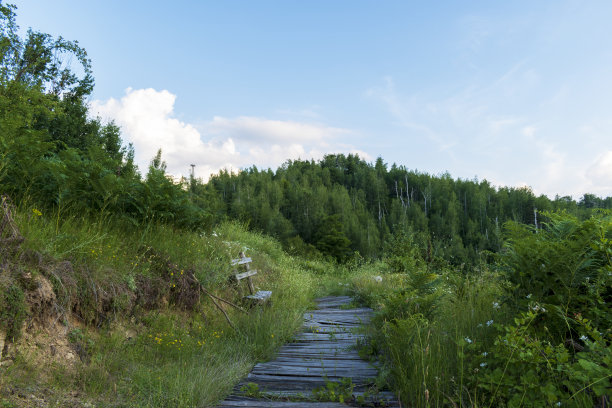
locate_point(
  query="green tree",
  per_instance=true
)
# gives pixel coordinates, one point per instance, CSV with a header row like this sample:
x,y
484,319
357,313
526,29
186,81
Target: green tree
x,y
331,239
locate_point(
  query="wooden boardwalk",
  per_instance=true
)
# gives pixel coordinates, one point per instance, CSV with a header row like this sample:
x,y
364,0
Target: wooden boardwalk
x,y
323,352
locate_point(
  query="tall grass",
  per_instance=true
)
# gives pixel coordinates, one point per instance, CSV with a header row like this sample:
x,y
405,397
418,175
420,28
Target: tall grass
x,y
166,355
425,351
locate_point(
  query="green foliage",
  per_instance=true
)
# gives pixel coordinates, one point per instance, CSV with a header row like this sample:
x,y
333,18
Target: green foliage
x,y
453,220
251,390
12,311
565,266
296,246
558,347
534,333
422,337
330,238
53,154
401,252
335,391
522,369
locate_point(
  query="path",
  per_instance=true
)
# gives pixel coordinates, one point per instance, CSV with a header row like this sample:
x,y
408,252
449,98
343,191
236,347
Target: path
x,y
323,352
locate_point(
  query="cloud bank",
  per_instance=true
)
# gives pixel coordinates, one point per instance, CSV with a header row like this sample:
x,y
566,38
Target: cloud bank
x,y
147,120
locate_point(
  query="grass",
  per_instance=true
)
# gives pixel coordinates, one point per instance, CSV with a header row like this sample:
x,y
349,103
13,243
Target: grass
x,y
167,352
425,349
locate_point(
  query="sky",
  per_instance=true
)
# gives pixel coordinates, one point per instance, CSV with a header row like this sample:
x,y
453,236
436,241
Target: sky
x,y
518,93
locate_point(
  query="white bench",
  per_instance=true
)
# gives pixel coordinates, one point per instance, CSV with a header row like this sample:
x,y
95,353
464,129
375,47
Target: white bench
x,y
259,297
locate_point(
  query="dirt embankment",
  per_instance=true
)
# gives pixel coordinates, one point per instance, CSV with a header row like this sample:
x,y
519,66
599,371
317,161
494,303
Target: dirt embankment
x,y
42,338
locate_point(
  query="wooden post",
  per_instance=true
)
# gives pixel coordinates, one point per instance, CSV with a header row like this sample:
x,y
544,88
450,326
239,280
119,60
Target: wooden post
x,y
249,280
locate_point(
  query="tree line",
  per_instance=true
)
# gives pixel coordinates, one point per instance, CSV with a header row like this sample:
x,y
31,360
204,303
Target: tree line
x,y
359,206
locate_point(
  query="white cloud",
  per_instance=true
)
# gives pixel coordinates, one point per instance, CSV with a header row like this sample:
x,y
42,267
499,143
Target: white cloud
x,y
528,131
599,174
272,131
146,117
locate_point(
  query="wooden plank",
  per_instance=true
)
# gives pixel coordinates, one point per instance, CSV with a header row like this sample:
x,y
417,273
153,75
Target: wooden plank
x,y
318,347
300,361
329,328
333,300
303,382
339,346
261,296
348,312
241,261
313,362
309,336
311,367
246,274
384,399
281,404
314,372
320,356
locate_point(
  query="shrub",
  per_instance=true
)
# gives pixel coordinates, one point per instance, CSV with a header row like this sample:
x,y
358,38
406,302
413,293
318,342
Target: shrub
x,y
566,267
523,369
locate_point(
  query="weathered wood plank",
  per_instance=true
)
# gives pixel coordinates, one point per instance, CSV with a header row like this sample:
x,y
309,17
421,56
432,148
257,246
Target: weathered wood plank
x,y
322,346
320,356
310,371
332,336
260,297
384,398
241,261
280,404
333,301
240,276
303,382
313,363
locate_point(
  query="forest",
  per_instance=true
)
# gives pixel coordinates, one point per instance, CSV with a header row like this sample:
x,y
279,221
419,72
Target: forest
x,y
114,240
341,206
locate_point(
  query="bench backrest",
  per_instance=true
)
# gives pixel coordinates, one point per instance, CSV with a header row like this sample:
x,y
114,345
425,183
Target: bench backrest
x,y
243,260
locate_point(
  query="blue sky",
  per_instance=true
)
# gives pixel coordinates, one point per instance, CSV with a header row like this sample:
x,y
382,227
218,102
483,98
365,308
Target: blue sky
x,y
518,93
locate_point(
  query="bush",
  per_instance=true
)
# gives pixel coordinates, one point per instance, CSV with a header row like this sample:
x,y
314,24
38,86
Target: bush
x,y
523,369
566,267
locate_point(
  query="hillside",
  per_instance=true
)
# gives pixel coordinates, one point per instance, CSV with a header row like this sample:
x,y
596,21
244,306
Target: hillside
x,y
111,275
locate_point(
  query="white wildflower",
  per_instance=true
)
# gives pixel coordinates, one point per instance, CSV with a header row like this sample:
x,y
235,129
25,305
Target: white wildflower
x,y
468,340
495,305
484,354
537,308
528,296
584,338
489,322
483,364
